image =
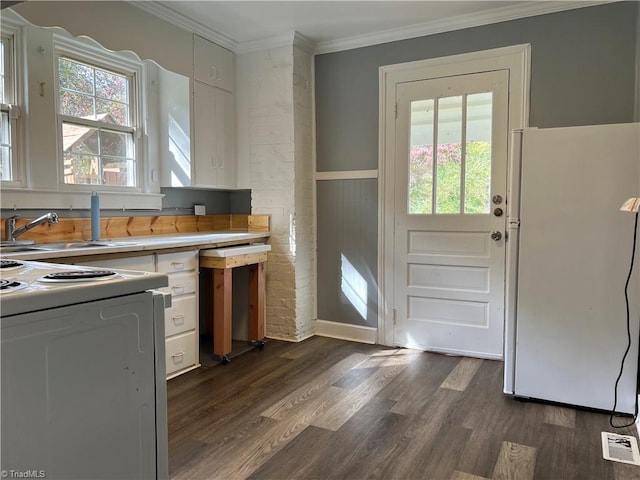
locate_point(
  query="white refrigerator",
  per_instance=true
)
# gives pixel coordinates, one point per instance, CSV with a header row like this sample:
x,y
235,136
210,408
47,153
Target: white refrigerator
x,y
569,252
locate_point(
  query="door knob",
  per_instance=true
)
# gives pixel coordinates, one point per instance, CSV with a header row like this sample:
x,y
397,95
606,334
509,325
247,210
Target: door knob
x,y
498,212
496,235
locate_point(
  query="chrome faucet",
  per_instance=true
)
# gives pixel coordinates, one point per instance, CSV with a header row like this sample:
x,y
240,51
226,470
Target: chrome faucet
x,y
11,232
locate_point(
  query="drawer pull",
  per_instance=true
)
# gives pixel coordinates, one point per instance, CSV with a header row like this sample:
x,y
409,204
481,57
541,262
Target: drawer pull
x,y
178,288
178,265
177,355
178,319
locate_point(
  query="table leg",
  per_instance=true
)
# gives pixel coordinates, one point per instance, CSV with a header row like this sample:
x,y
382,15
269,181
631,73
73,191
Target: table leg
x,y
222,301
256,302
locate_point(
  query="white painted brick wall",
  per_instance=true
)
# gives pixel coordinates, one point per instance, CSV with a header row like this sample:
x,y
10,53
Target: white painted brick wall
x,y
275,160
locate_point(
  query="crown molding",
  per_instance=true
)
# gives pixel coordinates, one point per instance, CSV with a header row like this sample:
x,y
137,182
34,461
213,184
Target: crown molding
x,y
171,16
500,14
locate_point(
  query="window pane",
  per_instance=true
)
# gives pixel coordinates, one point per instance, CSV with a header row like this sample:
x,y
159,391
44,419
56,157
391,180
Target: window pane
x,y
76,105
81,169
75,76
115,144
111,86
421,157
119,172
80,139
449,155
478,153
112,112
6,166
5,163
2,80
95,154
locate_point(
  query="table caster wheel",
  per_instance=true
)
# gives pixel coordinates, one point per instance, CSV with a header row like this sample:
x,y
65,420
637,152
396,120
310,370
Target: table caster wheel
x,y
258,343
224,359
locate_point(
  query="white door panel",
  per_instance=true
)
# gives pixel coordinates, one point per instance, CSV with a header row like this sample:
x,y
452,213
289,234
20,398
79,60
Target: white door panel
x,y
450,160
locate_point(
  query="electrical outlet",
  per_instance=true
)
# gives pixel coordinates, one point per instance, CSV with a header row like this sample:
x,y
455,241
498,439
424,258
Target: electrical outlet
x,y
200,209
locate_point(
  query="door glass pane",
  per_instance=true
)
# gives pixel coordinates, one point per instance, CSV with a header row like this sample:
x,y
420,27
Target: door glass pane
x,y
477,180
421,157
449,155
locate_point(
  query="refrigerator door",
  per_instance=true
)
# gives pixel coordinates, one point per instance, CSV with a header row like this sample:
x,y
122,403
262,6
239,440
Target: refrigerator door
x,y
573,260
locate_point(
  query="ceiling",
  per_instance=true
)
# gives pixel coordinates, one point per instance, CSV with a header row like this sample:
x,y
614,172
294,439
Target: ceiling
x,y
332,25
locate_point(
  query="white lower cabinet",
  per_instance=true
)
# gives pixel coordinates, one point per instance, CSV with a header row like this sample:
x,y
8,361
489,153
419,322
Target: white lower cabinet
x,y
181,319
180,353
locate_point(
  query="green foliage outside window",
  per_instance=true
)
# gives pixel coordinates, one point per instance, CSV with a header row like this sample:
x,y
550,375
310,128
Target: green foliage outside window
x,y
477,178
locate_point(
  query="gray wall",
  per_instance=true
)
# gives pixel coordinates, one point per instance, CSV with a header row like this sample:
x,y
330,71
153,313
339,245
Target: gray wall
x,y
583,71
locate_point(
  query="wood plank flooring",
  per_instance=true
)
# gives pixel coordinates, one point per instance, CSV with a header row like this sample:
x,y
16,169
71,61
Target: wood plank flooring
x,y
331,409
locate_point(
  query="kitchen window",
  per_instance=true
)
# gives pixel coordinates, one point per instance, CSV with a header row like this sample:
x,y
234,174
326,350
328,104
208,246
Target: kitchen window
x,y
8,112
97,118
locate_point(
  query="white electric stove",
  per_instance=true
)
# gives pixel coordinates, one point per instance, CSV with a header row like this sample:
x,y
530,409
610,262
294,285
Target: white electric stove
x,y
83,371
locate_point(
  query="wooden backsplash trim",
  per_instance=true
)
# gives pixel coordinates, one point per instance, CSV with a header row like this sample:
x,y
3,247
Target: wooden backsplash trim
x,y
120,227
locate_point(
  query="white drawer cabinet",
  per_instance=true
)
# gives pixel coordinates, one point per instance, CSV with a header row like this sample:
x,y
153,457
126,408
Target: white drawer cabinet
x,y
181,320
180,354
181,316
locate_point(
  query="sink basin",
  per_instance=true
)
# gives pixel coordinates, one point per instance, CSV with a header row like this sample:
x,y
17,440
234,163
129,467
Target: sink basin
x,y
40,247
18,248
80,244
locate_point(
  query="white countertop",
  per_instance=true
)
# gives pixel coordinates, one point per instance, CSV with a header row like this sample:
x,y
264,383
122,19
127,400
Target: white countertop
x,y
143,244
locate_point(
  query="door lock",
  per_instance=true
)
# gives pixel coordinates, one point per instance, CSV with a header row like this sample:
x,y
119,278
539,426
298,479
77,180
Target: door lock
x,y
498,212
497,199
496,235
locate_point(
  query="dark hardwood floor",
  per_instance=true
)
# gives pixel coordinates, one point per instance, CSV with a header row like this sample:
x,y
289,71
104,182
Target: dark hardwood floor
x,y
331,409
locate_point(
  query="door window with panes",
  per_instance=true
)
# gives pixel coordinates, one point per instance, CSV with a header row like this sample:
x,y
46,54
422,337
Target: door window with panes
x,y
97,122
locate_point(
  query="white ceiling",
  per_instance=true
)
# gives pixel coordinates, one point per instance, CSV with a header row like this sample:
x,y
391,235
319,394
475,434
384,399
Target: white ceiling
x,y
336,25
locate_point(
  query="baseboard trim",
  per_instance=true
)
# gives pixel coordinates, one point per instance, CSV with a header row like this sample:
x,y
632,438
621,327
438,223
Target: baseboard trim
x,y
292,340
344,331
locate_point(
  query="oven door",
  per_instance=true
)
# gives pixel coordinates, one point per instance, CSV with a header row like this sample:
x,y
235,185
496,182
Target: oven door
x,y
79,389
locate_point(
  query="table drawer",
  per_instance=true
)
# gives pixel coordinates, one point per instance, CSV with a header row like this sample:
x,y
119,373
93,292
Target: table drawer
x,y
181,352
177,262
181,315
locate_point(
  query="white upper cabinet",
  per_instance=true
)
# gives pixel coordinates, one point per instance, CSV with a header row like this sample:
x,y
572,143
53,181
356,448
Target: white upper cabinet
x,y
206,157
214,137
213,64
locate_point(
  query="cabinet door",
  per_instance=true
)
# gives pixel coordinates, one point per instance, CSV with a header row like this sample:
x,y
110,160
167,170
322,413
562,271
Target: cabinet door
x,y
213,136
213,64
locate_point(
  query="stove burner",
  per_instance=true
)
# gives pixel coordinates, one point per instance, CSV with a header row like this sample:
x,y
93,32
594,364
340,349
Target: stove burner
x,y
10,285
77,276
10,264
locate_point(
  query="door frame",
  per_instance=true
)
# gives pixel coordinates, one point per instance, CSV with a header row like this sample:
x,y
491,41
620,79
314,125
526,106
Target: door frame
x,y
517,60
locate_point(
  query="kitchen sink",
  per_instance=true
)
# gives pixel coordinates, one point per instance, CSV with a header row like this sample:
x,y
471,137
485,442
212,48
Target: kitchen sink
x,y
80,244
18,248
7,247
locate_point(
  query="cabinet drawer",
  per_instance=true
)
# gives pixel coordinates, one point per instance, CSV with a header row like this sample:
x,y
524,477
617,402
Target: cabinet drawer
x,y
181,316
143,263
177,262
181,352
181,283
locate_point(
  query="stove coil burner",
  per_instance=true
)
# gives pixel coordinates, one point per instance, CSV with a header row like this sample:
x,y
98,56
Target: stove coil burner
x,y
11,285
10,264
78,276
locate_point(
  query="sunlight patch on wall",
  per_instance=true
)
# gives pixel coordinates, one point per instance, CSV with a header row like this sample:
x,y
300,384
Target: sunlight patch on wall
x,y
354,287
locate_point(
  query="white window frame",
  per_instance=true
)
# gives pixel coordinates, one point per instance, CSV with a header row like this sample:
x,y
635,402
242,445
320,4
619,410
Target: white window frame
x,y
111,61
12,101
